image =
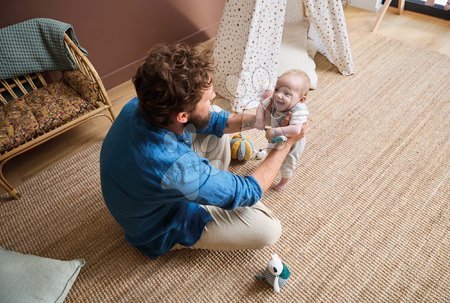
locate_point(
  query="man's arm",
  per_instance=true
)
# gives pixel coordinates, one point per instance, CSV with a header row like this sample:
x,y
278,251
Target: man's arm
x,y
267,171
239,122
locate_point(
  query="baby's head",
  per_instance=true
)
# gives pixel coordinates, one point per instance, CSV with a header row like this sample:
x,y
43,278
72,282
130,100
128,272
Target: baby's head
x,y
292,87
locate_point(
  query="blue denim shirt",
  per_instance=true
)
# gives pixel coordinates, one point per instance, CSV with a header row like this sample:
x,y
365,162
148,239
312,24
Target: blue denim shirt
x,y
153,182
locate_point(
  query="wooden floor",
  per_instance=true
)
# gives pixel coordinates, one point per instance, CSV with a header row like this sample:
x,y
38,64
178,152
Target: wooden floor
x,y
410,27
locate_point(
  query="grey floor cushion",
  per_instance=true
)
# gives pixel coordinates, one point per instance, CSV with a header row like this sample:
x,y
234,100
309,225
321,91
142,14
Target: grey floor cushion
x,y
29,278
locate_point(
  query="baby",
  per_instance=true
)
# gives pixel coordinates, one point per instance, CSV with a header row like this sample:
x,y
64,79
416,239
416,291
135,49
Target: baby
x,y
289,97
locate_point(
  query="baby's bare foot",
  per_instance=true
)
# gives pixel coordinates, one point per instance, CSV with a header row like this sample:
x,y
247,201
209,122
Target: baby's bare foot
x,y
280,185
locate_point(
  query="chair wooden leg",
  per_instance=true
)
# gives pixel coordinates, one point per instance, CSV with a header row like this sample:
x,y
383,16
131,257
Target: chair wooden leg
x,y
401,6
381,14
113,115
11,191
6,186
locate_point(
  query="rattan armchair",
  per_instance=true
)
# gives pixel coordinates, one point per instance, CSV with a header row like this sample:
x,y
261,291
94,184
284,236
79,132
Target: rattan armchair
x,y
26,97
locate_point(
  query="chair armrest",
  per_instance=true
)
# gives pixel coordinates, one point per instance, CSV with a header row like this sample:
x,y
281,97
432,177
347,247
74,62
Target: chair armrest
x,y
88,89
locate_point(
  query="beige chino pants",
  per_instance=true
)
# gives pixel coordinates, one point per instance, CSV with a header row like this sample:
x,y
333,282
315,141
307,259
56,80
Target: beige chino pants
x,y
241,228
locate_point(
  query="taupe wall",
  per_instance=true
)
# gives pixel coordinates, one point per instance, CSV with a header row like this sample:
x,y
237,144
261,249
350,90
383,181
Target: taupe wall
x,y
118,33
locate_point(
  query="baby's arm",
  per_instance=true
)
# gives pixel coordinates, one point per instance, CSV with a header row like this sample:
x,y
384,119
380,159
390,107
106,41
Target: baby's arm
x,y
259,124
288,131
263,113
299,117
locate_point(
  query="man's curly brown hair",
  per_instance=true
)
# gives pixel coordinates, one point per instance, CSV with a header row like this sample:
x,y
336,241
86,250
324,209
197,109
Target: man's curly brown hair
x,y
172,80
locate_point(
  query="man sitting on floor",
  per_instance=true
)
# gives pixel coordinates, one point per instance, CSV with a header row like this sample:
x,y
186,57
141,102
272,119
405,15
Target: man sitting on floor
x,y
163,163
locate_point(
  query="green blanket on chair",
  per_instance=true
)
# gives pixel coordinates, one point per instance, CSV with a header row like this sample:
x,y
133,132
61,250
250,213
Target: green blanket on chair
x,y
35,45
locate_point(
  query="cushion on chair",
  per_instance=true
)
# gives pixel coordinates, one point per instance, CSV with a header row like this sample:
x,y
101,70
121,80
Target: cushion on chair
x,y
88,89
39,112
70,103
18,124
6,132
29,278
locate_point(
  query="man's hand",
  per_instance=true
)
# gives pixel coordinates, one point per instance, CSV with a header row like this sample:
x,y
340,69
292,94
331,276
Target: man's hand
x,y
286,120
302,133
266,172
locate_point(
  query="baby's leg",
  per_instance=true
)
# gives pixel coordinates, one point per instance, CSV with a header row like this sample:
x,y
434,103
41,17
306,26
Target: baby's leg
x,y
283,181
281,184
289,164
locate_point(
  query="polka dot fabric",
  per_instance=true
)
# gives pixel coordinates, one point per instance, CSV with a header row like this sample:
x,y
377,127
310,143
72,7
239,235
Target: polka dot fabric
x,y
249,38
329,30
246,50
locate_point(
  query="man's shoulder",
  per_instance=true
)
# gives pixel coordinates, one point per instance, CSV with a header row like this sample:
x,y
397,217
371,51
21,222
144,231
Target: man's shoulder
x,y
132,104
127,110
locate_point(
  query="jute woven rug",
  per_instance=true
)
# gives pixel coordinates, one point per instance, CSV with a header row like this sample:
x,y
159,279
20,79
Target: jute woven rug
x,y
365,219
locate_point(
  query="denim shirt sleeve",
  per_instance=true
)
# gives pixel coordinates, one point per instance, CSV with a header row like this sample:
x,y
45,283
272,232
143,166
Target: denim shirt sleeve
x,y
217,123
200,182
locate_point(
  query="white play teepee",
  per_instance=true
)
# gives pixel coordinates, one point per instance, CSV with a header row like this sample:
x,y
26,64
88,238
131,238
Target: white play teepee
x,y
248,44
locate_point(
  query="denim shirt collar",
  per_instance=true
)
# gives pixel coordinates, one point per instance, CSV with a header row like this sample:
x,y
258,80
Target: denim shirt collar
x,y
186,137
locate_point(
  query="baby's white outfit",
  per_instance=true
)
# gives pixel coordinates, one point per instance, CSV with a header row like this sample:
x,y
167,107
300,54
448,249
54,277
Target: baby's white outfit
x,y
299,116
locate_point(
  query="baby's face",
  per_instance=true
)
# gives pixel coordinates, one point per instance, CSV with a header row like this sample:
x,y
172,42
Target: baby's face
x,y
284,98
287,93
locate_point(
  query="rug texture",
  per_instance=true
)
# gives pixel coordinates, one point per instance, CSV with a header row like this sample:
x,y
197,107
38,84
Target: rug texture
x,y
366,217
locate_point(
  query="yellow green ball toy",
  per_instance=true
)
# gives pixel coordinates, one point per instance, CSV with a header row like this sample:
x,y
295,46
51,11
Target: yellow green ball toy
x,y
241,148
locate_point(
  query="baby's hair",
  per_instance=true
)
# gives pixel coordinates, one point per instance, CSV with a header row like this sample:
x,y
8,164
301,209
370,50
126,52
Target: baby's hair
x,y
301,74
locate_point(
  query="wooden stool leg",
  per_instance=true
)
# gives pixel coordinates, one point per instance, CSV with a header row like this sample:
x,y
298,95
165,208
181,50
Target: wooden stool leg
x,y
381,14
401,6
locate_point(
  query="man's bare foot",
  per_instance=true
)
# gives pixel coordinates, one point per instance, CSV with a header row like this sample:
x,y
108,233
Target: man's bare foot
x,y
281,184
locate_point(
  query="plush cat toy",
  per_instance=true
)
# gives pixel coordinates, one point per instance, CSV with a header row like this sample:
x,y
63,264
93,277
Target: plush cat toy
x,y
260,154
275,139
276,273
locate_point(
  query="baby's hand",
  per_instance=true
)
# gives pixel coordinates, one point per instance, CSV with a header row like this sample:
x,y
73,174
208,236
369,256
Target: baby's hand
x,y
267,93
271,139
